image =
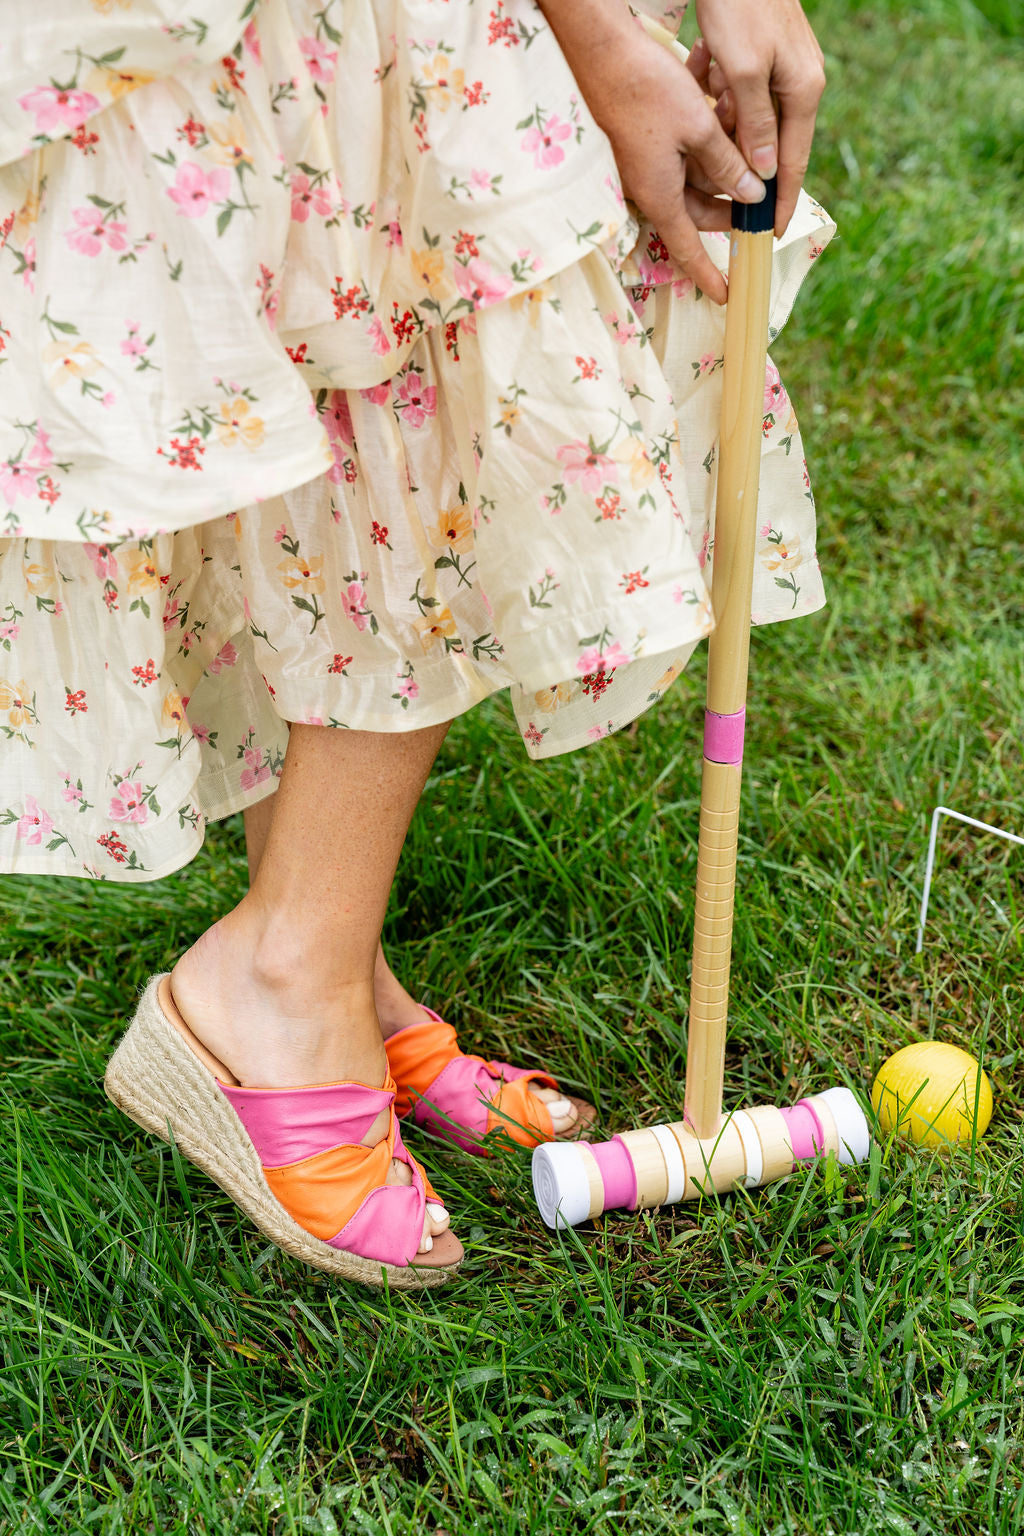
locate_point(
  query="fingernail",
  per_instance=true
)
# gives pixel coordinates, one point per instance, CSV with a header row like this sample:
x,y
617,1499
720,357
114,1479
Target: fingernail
x,y
749,188
765,160
428,1243
437,1212
559,1107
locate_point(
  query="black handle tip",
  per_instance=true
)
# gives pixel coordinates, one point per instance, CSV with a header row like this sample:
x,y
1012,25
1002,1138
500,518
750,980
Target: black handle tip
x,y
755,218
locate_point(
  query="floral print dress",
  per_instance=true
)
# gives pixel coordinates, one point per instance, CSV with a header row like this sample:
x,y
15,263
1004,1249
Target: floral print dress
x,y
338,384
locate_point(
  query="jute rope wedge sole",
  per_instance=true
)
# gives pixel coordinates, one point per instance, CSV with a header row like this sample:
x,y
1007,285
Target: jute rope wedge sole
x,y
156,1078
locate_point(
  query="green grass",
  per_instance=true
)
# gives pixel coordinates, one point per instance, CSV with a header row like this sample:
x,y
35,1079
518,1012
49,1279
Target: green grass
x,y
839,1353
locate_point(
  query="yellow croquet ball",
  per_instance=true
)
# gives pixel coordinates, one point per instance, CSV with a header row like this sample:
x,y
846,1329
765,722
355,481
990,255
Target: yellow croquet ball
x,y
929,1092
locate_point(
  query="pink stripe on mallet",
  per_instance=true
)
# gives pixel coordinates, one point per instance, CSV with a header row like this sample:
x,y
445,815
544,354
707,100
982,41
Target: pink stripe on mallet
x,y
723,736
805,1135
617,1173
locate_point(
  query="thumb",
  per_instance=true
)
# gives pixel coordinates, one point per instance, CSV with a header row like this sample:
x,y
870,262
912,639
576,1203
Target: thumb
x,y
722,162
757,125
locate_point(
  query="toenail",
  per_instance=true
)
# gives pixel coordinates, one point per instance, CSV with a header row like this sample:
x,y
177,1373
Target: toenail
x,y
428,1243
437,1212
559,1106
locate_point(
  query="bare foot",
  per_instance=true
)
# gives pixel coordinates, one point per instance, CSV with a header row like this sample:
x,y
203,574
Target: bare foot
x,y
397,1009
275,1019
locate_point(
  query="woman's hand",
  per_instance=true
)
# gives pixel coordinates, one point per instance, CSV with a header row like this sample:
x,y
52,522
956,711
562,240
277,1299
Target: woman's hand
x,y
659,123
765,49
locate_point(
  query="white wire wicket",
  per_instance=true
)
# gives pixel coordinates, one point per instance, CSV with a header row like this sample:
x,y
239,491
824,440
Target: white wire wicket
x,y
969,821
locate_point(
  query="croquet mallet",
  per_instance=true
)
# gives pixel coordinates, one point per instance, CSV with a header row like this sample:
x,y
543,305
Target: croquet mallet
x,y
641,1169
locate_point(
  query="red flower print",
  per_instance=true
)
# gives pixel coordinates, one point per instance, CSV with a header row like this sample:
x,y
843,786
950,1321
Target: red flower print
x,y
595,683
451,339
633,580
588,368
191,131
145,675
349,301
378,533
74,702
340,663
184,455
608,506
656,248
234,74
501,28
297,354
465,245
114,846
402,325
532,735
474,95
84,139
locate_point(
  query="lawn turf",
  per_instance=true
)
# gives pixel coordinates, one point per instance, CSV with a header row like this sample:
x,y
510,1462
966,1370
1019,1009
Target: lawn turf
x,y
839,1353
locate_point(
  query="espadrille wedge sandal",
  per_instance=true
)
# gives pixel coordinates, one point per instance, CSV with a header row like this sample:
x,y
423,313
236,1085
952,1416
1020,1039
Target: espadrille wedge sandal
x,y
291,1158
464,1098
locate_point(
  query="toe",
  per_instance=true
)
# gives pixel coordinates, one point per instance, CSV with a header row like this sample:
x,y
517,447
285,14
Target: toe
x,y
562,1110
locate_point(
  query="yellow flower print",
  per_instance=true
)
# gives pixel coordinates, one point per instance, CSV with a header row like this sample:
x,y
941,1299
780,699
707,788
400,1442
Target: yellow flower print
x,y
668,678
780,555
434,627
532,301
453,529
229,145
238,426
791,422
173,711
633,453
39,579
550,699
428,266
106,6
303,575
25,219
116,83
142,572
445,84
14,699
510,414
75,361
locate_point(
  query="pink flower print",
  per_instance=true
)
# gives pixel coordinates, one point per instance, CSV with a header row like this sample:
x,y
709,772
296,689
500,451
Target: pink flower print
x,y
91,234
251,39
582,462
256,771
775,397
594,660
227,656
378,336
706,363
543,143
480,284
17,480
201,734
9,630
170,612
133,344
615,656
108,400
29,258
480,181
55,109
337,418
321,61
40,455
408,688
354,603
307,198
380,394
195,189
622,330
595,732
129,802
418,400
104,561
71,792
35,824
393,230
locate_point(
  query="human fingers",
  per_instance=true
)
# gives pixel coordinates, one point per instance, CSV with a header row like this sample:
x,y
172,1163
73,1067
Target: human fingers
x,y
798,111
706,212
698,62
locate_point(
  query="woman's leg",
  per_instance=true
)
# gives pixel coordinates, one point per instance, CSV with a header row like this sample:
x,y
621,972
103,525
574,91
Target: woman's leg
x,y
395,1007
281,989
